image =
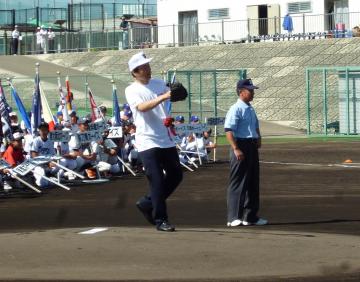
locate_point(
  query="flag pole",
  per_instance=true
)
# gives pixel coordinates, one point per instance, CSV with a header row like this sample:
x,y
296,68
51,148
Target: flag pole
x,y
59,86
97,107
37,66
86,94
113,89
173,77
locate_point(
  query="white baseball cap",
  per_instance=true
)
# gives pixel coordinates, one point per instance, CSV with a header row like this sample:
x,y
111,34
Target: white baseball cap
x,y
18,136
137,60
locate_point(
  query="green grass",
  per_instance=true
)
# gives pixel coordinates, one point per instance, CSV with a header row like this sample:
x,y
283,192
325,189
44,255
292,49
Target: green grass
x,y
296,139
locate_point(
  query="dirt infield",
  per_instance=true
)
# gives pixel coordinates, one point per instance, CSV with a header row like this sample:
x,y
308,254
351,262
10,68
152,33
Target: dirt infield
x,y
293,196
305,190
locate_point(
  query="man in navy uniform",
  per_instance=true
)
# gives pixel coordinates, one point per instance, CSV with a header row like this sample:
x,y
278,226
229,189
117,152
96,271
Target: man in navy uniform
x,y
243,134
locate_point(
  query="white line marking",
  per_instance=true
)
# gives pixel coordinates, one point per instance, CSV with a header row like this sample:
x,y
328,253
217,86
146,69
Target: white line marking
x,y
93,231
314,165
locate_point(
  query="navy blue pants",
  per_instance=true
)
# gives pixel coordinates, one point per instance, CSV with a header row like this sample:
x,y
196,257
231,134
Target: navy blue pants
x,y
163,170
243,190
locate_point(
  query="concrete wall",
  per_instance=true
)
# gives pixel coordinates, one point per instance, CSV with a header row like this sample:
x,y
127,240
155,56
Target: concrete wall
x,y
277,67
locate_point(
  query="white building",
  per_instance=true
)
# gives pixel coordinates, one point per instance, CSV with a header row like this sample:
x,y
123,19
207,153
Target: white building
x,y
186,22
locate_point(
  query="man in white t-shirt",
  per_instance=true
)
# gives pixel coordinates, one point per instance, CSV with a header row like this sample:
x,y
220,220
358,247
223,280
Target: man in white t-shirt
x,y
146,97
38,40
44,35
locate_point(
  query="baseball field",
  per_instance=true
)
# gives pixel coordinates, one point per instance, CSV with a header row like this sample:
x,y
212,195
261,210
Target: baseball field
x,y
310,197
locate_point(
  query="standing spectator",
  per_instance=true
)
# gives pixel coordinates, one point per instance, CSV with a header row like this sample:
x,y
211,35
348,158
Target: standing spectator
x,y
243,133
124,27
38,40
44,34
15,40
51,38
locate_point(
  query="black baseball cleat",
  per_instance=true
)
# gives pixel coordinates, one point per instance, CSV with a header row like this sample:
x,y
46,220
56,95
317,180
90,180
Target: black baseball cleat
x,y
147,213
165,226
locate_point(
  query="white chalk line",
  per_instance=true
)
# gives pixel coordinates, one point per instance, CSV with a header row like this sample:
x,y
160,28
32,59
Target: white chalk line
x,y
93,231
353,165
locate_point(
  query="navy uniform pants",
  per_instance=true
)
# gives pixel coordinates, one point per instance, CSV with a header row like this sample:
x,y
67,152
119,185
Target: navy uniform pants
x,y
243,189
163,170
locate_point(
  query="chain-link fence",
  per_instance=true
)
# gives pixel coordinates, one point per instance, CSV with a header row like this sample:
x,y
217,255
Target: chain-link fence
x,y
210,91
97,27
333,96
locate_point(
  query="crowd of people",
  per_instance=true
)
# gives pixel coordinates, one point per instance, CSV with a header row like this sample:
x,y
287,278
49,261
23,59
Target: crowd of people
x,y
45,40
93,159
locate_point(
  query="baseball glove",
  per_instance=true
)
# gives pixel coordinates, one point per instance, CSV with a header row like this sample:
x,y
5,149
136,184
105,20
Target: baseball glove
x,y
178,92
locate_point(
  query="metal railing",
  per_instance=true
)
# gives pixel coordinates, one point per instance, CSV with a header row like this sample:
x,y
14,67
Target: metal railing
x,y
104,35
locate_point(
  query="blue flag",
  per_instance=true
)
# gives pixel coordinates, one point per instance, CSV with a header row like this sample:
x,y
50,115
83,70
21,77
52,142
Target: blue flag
x,y
36,107
20,107
116,108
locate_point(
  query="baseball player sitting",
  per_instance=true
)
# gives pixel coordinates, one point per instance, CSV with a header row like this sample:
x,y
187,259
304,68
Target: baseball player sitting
x,y
42,146
85,158
68,160
106,151
194,146
27,141
130,147
209,145
3,147
74,121
14,155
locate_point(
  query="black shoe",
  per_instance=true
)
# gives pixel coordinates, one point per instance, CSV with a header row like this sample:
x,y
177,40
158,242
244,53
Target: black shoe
x,y
147,213
165,226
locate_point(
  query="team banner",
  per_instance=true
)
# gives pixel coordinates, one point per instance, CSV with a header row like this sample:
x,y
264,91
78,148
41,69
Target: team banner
x,y
115,132
190,128
24,168
99,126
41,160
215,121
89,136
59,136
